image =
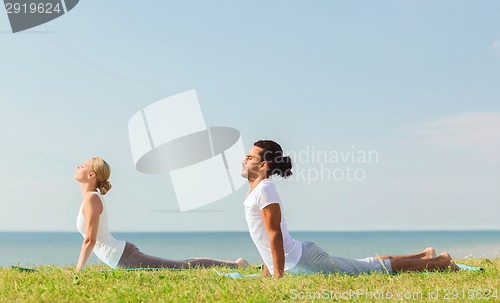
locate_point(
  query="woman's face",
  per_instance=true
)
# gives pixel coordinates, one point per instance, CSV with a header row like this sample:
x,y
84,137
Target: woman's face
x,y
83,170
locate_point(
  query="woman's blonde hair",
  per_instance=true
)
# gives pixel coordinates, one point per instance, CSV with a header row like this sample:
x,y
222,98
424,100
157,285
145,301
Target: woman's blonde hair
x,y
102,172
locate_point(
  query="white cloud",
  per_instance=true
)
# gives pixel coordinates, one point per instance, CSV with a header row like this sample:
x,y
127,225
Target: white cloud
x,y
477,131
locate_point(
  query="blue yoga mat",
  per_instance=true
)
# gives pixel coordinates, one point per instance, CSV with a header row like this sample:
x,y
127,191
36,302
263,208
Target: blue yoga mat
x,y
232,275
469,268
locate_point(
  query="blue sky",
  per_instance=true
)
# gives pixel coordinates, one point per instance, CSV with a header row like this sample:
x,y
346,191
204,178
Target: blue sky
x,y
414,81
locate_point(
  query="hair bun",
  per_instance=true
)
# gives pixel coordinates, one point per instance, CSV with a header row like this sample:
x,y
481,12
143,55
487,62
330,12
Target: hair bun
x,y
104,187
272,153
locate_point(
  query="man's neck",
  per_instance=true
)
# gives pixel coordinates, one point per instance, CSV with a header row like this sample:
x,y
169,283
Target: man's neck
x,y
253,183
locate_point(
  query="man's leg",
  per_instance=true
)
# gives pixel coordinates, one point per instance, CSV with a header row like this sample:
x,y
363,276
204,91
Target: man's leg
x,y
441,262
428,253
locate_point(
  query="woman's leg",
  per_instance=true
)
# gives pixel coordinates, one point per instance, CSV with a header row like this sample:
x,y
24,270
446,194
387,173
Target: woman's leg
x,y
143,260
428,253
209,262
133,258
441,262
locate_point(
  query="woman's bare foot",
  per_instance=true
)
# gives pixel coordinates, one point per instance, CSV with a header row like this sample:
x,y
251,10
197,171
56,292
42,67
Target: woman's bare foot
x,y
430,253
448,261
242,263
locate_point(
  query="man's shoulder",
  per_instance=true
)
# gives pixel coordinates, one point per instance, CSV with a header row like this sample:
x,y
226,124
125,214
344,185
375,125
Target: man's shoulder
x,y
267,184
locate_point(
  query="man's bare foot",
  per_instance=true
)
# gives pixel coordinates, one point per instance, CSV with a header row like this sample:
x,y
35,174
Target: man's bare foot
x,y
448,261
242,263
430,253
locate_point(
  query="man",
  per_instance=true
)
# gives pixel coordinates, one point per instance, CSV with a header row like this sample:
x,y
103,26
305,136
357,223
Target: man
x,y
280,252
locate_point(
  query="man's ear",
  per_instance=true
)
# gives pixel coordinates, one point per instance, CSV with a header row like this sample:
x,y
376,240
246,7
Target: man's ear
x,y
264,166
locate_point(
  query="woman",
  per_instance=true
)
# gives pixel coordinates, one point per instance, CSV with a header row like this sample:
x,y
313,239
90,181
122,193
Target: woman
x,y
280,252
92,223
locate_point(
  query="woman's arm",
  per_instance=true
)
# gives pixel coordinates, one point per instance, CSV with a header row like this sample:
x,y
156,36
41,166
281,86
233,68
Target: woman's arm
x,y
92,209
272,220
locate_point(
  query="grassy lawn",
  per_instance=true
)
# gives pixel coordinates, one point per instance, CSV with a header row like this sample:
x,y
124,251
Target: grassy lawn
x,y
62,284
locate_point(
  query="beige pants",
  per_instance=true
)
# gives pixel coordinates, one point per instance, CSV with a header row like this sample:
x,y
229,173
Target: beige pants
x,y
132,257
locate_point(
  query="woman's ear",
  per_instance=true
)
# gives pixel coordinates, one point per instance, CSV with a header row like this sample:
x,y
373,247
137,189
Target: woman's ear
x,y
91,175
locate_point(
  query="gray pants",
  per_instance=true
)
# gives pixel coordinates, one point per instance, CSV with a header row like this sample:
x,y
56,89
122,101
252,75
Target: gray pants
x,y
132,257
315,260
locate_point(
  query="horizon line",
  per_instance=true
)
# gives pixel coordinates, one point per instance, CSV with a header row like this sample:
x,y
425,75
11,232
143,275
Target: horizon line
x,y
246,231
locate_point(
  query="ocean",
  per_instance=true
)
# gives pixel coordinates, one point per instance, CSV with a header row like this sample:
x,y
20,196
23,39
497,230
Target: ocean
x,y
34,249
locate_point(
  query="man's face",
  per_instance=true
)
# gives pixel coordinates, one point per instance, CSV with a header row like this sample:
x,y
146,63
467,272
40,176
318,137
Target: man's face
x,y
252,166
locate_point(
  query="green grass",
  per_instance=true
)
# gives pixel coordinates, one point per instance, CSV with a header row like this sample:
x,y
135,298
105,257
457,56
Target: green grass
x,y
62,284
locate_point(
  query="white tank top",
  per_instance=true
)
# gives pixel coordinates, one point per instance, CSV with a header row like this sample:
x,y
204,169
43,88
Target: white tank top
x,y
108,249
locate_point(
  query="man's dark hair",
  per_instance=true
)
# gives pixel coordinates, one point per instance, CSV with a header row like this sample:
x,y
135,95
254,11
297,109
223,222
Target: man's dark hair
x,y
272,153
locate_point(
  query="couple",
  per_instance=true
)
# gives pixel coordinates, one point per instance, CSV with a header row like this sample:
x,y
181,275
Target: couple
x,y
266,223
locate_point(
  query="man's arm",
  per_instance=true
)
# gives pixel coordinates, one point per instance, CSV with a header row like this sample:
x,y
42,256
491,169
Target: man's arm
x,y
272,220
265,270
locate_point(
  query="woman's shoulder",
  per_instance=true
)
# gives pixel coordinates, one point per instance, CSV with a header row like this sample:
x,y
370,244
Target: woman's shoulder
x,y
92,199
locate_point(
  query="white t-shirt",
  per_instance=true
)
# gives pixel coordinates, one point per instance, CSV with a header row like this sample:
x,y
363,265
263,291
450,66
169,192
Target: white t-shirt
x,y
263,195
108,249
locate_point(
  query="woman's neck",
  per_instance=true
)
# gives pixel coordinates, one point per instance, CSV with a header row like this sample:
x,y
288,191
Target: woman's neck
x,y
87,188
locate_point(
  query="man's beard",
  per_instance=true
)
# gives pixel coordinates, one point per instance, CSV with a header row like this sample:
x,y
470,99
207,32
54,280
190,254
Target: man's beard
x,y
249,175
